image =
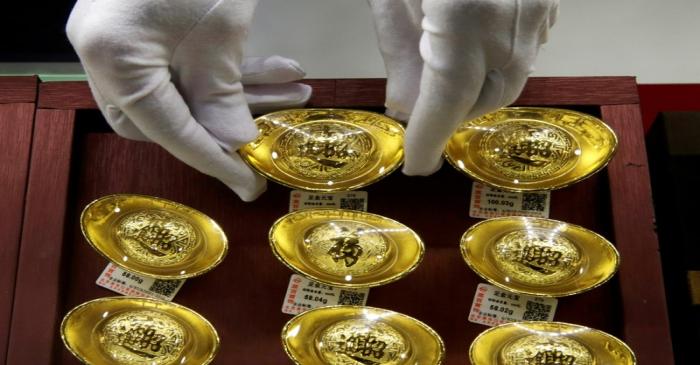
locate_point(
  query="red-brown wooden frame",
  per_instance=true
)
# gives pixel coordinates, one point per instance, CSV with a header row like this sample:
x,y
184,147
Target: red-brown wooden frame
x,y
646,328
17,104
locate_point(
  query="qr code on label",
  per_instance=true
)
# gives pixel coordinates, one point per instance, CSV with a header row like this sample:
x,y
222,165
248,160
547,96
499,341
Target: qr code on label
x,y
534,201
536,311
351,298
352,203
165,287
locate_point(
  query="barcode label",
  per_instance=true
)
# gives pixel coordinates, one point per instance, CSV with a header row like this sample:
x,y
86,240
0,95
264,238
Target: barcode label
x,y
489,202
124,282
353,200
165,287
493,306
536,311
304,294
353,203
351,297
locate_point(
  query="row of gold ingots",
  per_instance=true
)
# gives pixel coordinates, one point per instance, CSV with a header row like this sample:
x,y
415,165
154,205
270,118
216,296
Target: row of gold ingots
x,y
517,149
337,150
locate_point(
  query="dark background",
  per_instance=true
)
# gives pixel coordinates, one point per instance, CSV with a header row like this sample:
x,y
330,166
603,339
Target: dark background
x,y
34,31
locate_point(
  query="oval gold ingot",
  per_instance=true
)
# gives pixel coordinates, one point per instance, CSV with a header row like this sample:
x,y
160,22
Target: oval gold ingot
x,y
525,149
138,331
153,236
548,343
538,256
325,149
346,248
350,335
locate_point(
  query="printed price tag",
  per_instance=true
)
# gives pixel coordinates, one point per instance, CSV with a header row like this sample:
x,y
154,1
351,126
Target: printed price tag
x,y
304,294
354,200
493,306
488,202
123,282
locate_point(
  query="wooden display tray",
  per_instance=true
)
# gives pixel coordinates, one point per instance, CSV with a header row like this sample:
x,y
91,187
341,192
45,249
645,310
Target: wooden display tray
x,y
48,268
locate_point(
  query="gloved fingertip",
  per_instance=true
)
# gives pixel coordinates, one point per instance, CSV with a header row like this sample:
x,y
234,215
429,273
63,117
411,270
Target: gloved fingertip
x,y
305,92
418,169
296,66
281,62
271,70
251,192
398,115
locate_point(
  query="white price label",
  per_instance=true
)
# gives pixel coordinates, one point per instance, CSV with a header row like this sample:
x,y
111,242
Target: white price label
x,y
493,306
488,202
124,282
354,200
304,294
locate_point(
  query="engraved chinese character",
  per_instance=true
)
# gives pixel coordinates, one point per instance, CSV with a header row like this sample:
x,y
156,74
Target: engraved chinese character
x,y
346,248
551,358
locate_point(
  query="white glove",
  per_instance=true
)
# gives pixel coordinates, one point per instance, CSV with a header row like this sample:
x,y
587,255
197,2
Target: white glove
x,y
168,71
453,60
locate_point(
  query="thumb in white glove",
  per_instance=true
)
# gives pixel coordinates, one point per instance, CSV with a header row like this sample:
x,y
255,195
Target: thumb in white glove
x,y
473,57
169,70
268,83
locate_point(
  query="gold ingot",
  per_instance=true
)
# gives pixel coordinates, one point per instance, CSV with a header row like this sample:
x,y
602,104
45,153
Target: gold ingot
x,y
346,248
537,256
138,331
352,335
325,149
153,236
546,343
526,149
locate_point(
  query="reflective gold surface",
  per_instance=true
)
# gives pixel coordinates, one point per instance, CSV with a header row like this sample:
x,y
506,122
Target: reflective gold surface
x,y
548,343
325,149
524,149
153,236
138,331
350,335
539,256
345,248
351,341
139,336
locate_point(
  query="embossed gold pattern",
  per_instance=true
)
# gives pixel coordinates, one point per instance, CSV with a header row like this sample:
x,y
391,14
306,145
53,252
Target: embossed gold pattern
x,y
345,248
156,237
351,342
524,149
536,257
143,338
546,350
153,236
539,256
350,335
138,331
548,343
528,150
325,149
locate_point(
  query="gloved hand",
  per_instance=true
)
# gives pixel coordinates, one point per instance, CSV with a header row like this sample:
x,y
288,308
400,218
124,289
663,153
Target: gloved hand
x,y
453,60
169,71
